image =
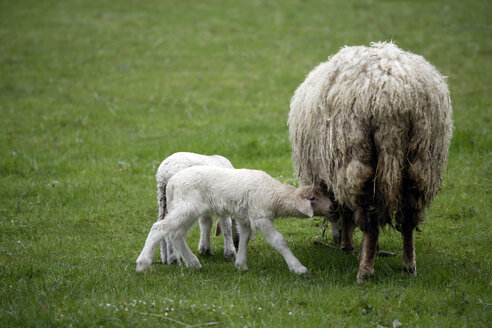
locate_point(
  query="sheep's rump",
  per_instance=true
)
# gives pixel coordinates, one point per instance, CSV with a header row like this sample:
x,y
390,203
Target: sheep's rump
x,y
372,118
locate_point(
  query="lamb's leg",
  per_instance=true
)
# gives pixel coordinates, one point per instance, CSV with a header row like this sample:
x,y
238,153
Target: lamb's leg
x,y
276,239
205,227
156,234
190,259
235,233
161,205
172,256
163,249
229,249
177,223
244,235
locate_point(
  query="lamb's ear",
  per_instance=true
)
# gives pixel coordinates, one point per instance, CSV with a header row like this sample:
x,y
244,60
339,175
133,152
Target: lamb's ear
x,y
303,205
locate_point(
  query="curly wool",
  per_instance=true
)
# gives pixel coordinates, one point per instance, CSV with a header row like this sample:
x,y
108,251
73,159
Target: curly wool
x,y
372,118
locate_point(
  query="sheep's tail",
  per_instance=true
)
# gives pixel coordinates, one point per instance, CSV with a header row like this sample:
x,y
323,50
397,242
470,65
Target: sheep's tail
x,y
390,142
388,186
161,199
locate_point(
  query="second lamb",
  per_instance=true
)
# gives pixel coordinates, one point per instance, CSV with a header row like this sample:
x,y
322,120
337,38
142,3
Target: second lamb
x,y
251,197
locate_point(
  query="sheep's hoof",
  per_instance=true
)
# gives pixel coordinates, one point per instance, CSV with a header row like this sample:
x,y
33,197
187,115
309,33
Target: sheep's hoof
x,y
347,249
409,270
230,255
363,275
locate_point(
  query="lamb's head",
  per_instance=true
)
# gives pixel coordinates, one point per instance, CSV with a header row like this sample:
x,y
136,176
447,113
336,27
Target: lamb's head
x,y
312,201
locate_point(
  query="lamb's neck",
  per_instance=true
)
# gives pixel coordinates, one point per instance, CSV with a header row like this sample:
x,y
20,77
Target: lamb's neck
x,y
285,202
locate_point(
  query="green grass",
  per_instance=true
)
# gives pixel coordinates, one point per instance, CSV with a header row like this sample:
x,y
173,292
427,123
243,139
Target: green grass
x,y
94,94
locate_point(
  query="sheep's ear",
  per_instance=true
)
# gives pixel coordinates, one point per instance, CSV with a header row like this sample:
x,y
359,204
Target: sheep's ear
x,y
303,205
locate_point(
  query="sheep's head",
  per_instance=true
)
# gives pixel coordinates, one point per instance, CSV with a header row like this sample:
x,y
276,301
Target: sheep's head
x,y
312,201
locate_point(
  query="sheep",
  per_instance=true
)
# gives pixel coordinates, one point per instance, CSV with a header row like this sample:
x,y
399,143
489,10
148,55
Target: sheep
x,y
172,165
253,198
372,128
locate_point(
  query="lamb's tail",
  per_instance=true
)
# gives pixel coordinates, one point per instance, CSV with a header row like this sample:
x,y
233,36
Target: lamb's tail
x,y
161,199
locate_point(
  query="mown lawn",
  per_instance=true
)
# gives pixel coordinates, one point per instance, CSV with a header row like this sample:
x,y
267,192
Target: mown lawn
x,y
95,94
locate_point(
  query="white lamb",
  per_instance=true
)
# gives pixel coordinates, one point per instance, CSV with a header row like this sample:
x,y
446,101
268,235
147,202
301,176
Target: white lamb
x,y
169,167
253,198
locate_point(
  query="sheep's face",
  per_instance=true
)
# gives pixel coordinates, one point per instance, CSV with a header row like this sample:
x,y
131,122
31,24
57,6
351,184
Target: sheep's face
x,y
312,201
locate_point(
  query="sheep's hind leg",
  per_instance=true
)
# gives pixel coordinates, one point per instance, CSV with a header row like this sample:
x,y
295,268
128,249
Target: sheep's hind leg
x,y
409,264
412,214
367,219
276,239
244,235
205,227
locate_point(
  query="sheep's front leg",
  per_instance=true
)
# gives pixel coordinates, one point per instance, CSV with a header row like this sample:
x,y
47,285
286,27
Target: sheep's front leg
x,y
156,234
336,233
276,239
244,235
347,230
347,234
229,250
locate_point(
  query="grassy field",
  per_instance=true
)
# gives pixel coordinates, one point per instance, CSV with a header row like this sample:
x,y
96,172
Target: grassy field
x,y
95,94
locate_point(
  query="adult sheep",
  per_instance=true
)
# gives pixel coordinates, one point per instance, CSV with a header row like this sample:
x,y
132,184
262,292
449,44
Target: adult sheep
x,y
372,126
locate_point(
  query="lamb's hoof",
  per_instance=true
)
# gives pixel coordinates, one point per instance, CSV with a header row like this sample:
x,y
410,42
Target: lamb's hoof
x,y
173,261
230,255
143,265
409,270
241,266
205,251
300,271
194,265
